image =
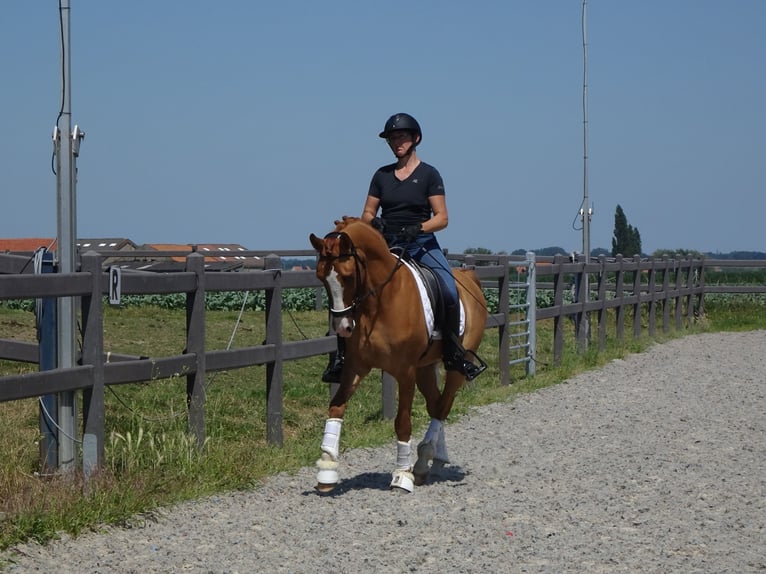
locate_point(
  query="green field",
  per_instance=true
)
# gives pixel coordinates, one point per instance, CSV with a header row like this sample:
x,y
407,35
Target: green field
x,y
152,462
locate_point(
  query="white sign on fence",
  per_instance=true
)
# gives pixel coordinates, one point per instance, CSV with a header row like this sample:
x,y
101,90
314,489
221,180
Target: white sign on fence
x,y
115,285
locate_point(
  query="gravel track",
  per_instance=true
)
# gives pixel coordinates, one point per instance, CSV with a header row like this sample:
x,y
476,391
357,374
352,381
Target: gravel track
x,y
654,463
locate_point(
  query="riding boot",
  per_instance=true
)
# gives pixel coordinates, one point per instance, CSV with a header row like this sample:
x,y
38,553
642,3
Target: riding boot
x,y
453,350
334,367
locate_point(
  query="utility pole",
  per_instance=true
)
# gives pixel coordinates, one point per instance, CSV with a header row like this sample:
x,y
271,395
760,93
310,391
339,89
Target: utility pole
x,y
66,145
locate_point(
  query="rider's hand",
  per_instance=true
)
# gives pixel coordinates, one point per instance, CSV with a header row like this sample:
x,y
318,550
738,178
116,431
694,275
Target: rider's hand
x,y
378,224
409,233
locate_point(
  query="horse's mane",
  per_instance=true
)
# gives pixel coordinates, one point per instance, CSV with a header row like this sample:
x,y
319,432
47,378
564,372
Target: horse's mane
x,y
361,233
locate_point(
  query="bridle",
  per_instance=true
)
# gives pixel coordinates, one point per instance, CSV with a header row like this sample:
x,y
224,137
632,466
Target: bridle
x,y
360,267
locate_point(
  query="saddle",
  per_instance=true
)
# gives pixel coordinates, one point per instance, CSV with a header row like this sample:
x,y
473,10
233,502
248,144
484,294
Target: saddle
x,y
430,284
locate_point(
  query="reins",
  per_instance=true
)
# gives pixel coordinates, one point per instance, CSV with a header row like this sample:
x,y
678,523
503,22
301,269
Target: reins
x,y
359,263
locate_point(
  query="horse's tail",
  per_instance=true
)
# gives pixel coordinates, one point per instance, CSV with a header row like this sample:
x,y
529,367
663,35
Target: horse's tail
x,y
469,274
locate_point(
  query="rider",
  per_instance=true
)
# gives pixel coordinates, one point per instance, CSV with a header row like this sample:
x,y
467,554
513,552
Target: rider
x,y
410,194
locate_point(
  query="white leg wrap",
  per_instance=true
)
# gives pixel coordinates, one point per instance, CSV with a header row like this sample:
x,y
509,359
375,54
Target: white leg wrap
x,y
331,439
403,455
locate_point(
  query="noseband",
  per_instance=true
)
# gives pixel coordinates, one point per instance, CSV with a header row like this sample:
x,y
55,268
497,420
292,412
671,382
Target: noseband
x,y
359,265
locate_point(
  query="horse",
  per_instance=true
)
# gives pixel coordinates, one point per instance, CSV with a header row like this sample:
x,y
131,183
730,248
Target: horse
x,y
376,305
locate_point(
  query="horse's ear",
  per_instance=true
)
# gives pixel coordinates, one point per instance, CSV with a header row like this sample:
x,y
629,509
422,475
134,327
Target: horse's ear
x,y
316,242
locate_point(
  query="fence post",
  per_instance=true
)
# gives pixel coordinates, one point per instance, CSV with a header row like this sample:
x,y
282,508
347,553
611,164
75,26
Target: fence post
x,y
503,330
701,284
531,313
558,301
195,343
274,383
619,290
602,311
388,394
93,354
582,320
637,295
665,294
690,293
677,300
652,296
47,322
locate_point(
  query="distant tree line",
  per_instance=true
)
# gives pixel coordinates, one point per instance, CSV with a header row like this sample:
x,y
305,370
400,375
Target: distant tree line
x,y
627,241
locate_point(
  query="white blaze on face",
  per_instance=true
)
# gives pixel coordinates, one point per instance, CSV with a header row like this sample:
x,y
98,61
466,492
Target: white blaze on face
x,y
342,325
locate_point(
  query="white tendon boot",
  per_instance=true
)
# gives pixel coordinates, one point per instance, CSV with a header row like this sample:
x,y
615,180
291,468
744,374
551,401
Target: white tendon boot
x,y
428,449
327,465
402,476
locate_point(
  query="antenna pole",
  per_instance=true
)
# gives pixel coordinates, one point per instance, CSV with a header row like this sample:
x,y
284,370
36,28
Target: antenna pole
x,y
66,148
587,212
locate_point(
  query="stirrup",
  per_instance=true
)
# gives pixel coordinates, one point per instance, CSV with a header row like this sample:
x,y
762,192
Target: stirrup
x,y
465,367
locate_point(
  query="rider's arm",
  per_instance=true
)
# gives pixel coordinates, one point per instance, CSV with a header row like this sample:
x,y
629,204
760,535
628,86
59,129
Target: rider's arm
x,y
370,208
440,218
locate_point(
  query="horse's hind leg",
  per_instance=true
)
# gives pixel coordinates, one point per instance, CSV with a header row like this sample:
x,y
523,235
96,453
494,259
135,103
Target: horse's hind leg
x,y
427,380
432,450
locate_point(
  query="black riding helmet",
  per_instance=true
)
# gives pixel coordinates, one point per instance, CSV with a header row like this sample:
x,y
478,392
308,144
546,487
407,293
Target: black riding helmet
x,y
401,122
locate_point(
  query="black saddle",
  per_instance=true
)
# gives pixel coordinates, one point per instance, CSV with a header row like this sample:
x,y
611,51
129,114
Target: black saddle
x,y
431,282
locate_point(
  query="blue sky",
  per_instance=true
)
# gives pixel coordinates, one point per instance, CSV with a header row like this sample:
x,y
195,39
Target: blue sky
x,y
256,122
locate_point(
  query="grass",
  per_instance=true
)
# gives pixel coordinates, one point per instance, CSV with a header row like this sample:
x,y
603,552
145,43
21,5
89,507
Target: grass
x,y
152,462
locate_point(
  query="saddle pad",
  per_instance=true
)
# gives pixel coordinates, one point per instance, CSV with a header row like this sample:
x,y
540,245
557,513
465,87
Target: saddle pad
x,y
428,311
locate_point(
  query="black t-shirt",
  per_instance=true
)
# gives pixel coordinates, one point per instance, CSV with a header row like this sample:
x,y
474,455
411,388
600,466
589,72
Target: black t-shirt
x,y
406,202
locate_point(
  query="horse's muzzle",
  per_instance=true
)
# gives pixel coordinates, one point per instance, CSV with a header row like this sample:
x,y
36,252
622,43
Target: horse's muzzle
x,y
343,325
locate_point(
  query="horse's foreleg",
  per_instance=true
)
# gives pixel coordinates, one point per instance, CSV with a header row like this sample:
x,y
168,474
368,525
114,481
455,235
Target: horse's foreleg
x,y
402,477
327,465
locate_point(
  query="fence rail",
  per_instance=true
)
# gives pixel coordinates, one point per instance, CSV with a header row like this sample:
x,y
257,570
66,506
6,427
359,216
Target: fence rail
x,y
668,289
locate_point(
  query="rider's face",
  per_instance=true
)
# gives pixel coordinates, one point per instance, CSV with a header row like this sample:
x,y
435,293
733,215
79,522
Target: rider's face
x,y
401,142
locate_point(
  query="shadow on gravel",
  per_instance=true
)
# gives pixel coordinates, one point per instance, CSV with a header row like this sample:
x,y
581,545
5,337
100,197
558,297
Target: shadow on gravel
x,y
382,481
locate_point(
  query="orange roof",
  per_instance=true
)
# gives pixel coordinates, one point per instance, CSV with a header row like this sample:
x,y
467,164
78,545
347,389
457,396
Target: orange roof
x,y
27,244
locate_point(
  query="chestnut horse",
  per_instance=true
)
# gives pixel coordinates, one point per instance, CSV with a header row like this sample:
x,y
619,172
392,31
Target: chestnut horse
x,y
377,307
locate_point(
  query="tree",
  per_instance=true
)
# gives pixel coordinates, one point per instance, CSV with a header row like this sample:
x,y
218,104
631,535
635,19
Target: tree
x,y
626,240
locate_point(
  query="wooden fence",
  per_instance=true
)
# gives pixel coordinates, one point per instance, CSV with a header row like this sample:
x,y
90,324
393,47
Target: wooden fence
x,y
668,290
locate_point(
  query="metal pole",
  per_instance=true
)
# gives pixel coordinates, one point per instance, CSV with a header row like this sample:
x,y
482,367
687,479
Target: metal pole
x,y
585,200
586,210
67,234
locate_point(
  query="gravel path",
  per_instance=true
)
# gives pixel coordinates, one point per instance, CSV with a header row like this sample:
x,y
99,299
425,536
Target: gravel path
x,y
655,463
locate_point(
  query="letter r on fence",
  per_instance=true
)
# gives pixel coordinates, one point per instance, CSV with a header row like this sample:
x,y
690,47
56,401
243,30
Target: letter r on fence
x,y
115,284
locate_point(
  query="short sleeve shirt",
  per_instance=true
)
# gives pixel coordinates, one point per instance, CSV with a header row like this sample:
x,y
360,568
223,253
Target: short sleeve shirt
x,y
406,202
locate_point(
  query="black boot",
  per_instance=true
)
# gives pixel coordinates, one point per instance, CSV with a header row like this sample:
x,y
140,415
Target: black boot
x,y
452,349
335,365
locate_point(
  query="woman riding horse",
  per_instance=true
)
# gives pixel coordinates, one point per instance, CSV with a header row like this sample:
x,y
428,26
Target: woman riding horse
x,y
411,195
377,308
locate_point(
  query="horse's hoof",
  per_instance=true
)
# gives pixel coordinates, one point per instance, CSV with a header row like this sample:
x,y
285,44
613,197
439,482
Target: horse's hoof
x,y
325,488
421,469
327,477
403,480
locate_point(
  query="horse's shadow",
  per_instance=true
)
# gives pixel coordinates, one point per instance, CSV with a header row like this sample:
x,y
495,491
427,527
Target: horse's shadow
x,y
382,481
